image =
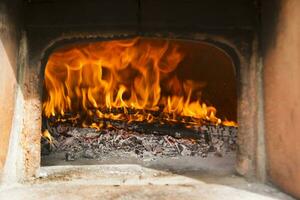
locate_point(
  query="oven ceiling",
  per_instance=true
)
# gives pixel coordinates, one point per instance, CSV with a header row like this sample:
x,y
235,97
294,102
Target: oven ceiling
x,y
142,14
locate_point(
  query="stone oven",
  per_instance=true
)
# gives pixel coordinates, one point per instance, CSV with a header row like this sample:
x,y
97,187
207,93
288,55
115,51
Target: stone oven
x,y
182,86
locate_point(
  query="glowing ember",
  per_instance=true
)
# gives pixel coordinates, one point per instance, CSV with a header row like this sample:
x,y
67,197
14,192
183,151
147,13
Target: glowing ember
x,y
131,80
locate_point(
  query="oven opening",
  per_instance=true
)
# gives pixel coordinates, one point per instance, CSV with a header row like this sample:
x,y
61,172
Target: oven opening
x,y
149,101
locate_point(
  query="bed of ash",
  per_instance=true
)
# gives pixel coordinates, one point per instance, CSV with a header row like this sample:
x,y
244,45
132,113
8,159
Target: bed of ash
x,y
75,145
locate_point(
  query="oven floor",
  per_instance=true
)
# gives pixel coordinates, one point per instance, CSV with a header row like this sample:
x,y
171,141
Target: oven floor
x,y
212,163
133,182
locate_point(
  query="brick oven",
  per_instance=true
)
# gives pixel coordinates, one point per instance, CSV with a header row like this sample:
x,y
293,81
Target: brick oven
x,y
108,90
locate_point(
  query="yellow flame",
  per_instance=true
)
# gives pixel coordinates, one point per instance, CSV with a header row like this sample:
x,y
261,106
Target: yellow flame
x,y
130,73
48,136
229,123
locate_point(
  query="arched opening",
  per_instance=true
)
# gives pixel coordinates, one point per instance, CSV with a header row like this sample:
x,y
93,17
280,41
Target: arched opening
x,y
146,85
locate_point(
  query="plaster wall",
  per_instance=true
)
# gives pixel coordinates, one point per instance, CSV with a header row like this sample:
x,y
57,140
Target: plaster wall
x,y
282,95
9,36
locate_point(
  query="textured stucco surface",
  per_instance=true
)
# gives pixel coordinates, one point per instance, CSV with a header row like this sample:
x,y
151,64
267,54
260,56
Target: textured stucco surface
x,y
58,23
8,66
47,22
282,99
136,182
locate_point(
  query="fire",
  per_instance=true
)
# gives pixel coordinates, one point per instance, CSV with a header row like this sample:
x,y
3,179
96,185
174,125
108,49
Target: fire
x,y
123,75
47,136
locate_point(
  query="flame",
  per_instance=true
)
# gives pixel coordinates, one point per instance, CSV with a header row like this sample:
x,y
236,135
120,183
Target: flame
x,y
122,74
47,136
229,123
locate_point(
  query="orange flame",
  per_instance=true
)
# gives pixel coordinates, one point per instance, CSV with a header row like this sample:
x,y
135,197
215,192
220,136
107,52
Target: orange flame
x,y
127,74
47,136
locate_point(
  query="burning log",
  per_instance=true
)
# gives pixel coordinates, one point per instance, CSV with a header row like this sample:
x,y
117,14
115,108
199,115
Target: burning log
x,y
162,127
182,127
174,130
71,137
117,138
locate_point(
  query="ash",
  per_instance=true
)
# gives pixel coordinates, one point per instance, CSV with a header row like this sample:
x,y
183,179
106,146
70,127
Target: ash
x,y
86,143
